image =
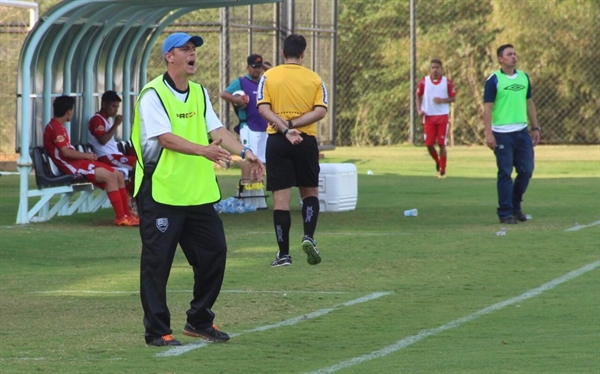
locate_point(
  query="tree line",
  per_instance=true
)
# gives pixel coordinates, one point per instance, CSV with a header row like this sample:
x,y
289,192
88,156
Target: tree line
x,y
557,42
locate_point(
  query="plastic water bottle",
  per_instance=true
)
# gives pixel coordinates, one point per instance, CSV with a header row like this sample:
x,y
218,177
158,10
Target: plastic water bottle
x,y
502,232
411,213
228,206
238,206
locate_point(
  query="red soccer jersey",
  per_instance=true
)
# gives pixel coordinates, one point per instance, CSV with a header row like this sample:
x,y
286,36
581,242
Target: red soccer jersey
x,y
97,126
56,137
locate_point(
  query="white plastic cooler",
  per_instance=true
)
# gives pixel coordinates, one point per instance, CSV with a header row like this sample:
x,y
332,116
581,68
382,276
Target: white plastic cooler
x,y
338,187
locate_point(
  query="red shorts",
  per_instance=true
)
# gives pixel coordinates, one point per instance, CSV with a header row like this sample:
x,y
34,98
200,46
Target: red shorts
x,y
435,129
119,161
86,168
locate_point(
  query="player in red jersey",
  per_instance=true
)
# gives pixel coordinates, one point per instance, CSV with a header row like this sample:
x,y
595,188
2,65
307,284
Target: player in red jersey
x,y
101,134
434,95
70,161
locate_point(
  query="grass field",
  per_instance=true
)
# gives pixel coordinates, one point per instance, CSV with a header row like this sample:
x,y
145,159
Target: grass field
x,y
437,293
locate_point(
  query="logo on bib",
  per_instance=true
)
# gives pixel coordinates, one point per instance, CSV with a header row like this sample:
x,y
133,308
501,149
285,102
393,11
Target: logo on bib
x,y
514,87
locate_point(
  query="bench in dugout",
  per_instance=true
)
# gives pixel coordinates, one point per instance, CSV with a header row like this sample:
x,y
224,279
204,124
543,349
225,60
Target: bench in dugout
x,y
51,182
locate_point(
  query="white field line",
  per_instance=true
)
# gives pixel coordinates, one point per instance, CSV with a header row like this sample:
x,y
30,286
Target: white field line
x,y
403,343
176,351
84,292
359,234
581,227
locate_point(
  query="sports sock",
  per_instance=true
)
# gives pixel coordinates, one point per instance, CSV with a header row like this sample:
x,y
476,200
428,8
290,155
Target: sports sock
x,y
443,161
434,155
310,214
125,201
282,221
115,200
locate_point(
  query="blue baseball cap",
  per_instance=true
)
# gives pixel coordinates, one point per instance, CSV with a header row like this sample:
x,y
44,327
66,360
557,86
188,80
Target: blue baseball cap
x,y
179,39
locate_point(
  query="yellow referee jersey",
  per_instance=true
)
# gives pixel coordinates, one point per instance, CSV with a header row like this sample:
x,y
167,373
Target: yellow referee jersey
x,y
292,90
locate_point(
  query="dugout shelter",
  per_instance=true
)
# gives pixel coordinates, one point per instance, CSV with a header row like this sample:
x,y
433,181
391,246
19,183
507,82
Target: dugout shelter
x,y
82,48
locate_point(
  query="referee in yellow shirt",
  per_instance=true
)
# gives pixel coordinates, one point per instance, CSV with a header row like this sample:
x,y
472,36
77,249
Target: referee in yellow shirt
x,y
293,99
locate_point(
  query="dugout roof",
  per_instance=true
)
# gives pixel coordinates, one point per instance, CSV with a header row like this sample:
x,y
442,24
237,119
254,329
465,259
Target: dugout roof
x,y
82,48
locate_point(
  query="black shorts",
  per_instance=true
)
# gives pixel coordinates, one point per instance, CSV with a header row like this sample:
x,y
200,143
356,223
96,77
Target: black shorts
x,y
292,165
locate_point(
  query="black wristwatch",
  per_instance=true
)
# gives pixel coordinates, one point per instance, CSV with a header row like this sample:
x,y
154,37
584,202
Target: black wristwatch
x,y
537,128
290,126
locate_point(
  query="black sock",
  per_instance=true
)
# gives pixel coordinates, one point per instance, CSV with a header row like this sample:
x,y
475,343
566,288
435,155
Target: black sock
x,y
310,214
282,222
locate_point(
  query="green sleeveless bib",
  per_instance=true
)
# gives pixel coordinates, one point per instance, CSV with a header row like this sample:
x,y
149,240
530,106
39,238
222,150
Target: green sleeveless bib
x,y
510,106
179,179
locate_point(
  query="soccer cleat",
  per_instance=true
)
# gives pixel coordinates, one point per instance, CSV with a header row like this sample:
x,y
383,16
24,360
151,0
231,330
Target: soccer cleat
x,y
285,260
520,216
437,169
310,248
163,341
442,174
133,220
511,220
130,221
123,221
212,333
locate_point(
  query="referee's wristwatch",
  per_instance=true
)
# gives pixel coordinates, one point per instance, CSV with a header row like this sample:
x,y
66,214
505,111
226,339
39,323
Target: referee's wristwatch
x,y
290,125
536,128
243,153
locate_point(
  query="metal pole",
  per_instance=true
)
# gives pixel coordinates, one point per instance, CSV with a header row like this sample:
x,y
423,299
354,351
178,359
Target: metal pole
x,y
250,31
413,67
314,50
225,63
333,88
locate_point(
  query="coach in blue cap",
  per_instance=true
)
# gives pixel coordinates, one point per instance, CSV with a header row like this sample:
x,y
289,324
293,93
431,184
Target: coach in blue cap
x,y
173,122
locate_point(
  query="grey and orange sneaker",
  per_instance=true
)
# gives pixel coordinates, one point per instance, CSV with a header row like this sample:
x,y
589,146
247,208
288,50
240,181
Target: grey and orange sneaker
x,y
212,333
163,341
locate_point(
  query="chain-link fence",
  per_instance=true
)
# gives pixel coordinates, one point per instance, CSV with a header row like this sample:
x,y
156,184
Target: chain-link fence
x,y
14,26
230,35
241,31
557,43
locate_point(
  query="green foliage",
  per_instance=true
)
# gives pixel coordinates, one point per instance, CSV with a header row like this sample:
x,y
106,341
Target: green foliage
x,y
559,55
370,110
459,33
558,42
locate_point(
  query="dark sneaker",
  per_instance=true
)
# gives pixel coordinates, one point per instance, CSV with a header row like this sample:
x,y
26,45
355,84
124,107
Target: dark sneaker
x,y
511,220
212,333
163,341
285,260
520,216
310,248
